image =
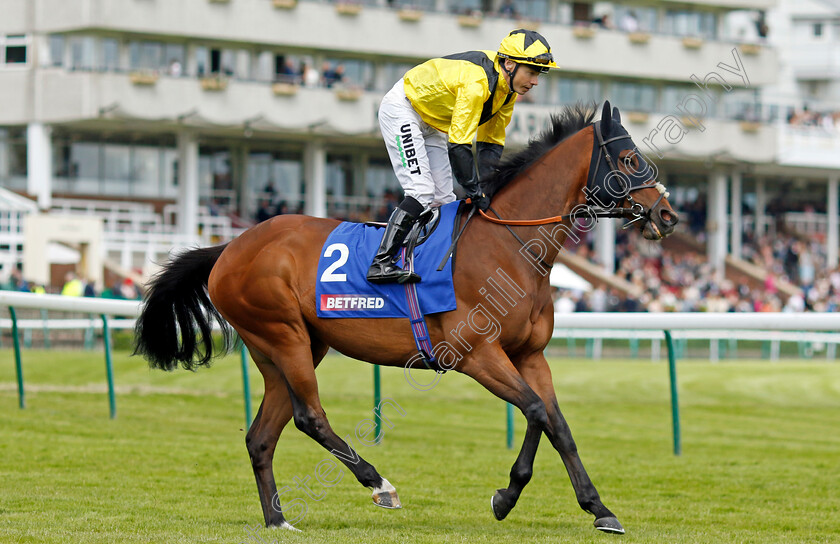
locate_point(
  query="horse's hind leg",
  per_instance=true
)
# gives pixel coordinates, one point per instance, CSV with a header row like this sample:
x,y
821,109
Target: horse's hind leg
x,y
294,359
536,372
274,413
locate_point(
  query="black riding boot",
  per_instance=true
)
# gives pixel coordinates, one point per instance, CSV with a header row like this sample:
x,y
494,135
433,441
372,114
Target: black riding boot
x,y
383,269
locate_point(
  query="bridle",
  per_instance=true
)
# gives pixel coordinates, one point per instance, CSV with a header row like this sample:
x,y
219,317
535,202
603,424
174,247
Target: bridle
x,y
635,212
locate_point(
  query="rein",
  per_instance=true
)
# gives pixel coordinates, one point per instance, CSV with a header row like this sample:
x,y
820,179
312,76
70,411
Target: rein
x,y
594,212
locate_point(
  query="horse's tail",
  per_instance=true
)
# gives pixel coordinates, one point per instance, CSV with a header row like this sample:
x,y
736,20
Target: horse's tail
x,y
176,304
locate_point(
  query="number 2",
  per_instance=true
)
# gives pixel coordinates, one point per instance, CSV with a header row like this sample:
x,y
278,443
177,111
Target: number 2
x,y
329,274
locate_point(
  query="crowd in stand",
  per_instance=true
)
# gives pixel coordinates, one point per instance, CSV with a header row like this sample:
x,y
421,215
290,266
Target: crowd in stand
x,y
331,75
73,286
685,281
827,120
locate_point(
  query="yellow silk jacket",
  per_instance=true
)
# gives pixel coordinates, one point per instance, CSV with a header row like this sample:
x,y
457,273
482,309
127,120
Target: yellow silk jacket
x,y
462,95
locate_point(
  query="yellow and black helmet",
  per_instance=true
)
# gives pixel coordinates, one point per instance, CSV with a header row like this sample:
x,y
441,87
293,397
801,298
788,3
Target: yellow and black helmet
x,y
527,47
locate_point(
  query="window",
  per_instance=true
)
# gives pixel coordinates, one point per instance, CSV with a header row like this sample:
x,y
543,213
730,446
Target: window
x,y
428,5
686,96
56,49
691,23
13,157
464,7
146,56
741,104
585,91
634,97
175,57
817,30
109,53
348,72
380,177
263,66
643,19
13,49
534,9
393,72
581,12
82,52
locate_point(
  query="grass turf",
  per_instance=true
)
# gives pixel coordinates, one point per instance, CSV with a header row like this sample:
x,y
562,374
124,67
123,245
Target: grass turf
x,y
760,462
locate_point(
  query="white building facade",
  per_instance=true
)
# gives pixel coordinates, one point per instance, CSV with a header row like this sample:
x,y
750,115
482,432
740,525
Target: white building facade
x,y
197,107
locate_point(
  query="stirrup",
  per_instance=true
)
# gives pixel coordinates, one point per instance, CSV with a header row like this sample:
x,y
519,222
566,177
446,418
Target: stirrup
x,y
390,273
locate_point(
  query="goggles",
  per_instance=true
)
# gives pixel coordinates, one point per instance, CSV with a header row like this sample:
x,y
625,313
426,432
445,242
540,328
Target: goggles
x,y
543,59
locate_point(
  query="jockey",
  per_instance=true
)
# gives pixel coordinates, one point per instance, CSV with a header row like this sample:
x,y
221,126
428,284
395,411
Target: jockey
x,y
429,120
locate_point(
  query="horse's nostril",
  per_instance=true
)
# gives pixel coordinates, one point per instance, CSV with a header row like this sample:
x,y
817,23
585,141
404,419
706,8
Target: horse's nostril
x,y
669,218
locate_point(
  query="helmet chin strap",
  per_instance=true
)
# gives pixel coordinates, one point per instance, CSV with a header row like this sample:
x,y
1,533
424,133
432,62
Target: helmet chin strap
x,y
510,73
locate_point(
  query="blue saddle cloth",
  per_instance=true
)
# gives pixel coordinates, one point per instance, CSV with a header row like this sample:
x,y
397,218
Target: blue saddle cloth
x,y
341,289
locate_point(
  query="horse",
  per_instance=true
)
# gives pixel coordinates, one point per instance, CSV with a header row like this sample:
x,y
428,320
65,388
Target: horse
x,y
263,285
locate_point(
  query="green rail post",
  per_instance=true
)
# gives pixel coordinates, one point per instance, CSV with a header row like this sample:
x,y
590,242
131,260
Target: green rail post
x,y
109,366
246,384
18,365
509,426
675,403
377,398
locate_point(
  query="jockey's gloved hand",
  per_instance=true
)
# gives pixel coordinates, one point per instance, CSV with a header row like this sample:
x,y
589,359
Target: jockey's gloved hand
x,y
463,168
480,200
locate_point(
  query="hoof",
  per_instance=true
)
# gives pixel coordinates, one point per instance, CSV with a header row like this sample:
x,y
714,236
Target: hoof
x,y
289,527
283,526
609,525
387,499
500,505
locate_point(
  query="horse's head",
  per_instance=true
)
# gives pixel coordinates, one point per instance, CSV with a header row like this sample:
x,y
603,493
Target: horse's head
x,y
620,177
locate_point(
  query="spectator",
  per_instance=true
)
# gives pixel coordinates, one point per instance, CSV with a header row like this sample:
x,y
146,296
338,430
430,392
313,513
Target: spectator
x,y
508,9
265,211
603,21
269,190
288,72
565,302
90,290
128,290
628,22
311,77
331,75
73,286
175,69
761,24
15,282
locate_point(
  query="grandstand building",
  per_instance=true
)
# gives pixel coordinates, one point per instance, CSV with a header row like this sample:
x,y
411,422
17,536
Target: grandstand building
x,y
179,120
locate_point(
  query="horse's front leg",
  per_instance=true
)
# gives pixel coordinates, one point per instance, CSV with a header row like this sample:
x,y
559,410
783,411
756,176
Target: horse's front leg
x,y
520,474
492,369
535,371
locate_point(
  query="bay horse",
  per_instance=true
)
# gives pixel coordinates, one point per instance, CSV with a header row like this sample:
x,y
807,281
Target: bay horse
x,y
263,285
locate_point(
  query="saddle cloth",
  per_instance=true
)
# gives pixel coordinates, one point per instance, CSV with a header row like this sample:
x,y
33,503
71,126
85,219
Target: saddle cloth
x,y
341,289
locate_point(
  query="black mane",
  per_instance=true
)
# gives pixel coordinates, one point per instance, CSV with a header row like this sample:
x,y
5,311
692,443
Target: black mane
x,y
570,120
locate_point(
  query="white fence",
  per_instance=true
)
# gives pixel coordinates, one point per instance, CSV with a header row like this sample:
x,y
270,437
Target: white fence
x,y
763,326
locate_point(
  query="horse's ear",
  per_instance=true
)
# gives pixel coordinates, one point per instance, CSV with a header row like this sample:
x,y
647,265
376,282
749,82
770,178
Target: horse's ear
x,y
606,117
616,116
